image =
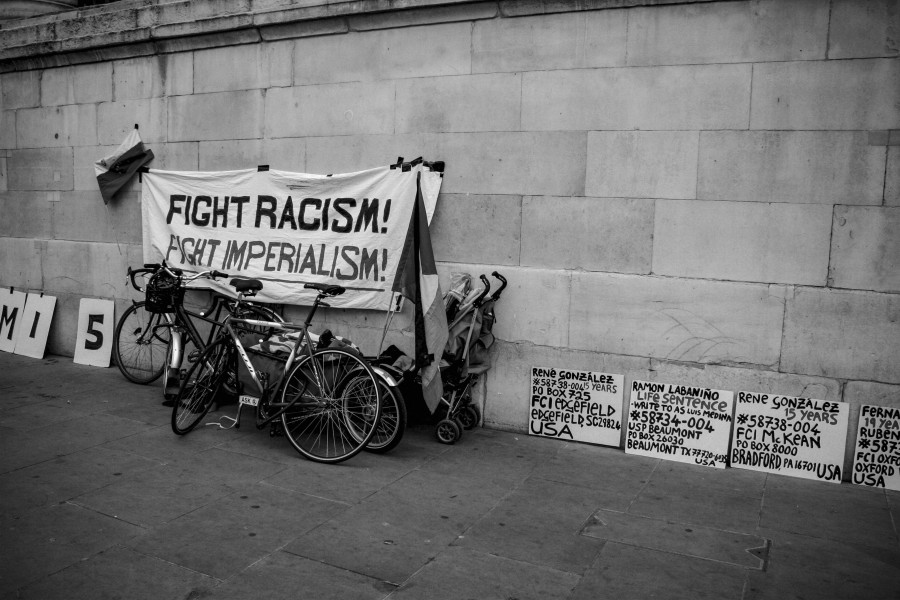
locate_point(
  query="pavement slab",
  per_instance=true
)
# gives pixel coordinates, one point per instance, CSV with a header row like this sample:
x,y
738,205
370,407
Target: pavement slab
x,y
99,499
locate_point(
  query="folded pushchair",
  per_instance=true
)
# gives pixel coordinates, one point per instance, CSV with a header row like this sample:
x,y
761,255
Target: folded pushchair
x,y
470,318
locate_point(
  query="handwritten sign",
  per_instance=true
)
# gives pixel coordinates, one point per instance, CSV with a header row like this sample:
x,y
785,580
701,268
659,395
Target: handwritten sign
x,y
12,306
583,406
32,338
876,462
680,423
800,437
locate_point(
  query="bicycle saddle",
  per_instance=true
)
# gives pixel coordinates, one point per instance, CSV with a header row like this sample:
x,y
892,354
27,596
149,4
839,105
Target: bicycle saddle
x,y
328,290
246,285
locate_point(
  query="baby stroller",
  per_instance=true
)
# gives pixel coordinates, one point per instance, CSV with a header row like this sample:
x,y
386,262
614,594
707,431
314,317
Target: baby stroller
x,y
470,318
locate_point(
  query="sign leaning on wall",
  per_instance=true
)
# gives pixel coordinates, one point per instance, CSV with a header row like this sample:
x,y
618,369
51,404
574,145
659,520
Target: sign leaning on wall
x,y
876,461
800,437
680,423
582,406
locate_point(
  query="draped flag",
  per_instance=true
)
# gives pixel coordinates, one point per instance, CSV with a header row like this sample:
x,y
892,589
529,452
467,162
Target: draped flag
x,y
417,280
117,169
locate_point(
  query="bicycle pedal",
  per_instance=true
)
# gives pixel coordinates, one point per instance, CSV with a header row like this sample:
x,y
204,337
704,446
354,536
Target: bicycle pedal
x,y
276,430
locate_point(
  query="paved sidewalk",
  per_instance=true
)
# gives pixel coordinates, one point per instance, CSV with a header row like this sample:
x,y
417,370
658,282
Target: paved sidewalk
x,y
101,500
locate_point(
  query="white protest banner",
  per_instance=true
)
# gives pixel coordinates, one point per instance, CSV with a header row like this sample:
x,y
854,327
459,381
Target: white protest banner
x,y
582,406
287,229
680,423
12,307
32,338
800,437
94,338
876,461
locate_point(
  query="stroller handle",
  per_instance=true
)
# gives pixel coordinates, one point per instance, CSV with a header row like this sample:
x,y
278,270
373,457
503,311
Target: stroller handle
x,y
502,279
484,293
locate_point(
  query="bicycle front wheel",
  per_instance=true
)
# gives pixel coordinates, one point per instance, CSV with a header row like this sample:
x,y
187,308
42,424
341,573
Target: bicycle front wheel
x,y
141,344
200,386
334,405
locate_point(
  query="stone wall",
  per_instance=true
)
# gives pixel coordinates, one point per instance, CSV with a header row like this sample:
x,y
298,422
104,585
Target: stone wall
x,y
701,192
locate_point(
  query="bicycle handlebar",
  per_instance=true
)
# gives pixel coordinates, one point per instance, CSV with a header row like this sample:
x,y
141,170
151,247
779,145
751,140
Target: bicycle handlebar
x,y
177,273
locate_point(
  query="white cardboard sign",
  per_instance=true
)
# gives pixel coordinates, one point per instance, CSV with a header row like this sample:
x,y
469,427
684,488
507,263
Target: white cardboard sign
x,y
680,423
94,339
876,461
800,437
12,309
582,406
35,329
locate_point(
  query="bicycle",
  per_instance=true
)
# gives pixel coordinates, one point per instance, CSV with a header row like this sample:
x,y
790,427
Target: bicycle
x,y
329,402
151,336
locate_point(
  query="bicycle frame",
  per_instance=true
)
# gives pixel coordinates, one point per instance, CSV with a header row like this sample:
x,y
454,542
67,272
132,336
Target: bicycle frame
x,y
264,389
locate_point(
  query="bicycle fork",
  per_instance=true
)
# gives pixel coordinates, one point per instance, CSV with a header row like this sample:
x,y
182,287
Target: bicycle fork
x,y
173,367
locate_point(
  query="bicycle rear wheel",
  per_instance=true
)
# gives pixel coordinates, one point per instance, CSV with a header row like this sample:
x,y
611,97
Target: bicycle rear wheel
x,y
392,424
200,386
335,405
141,344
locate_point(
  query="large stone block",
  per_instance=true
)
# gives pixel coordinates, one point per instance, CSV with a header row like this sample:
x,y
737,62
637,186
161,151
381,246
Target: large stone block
x,y
7,129
842,334
728,32
346,154
218,116
865,248
676,319
642,164
466,103
338,109
20,263
576,40
85,268
41,169
243,67
181,156
384,54
115,120
507,387
81,84
828,167
551,163
535,304
892,177
27,214
477,229
54,127
82,216
20,89
593,234
228,155
737,379
742,241
834,94
140,78
863,30
654,98
285,154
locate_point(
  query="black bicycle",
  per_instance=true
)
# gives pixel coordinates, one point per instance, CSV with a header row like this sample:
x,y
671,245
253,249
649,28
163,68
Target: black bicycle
x,y
152,335
326,400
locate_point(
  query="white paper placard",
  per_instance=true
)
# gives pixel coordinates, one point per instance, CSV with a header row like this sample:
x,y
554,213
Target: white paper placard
x,y
12,309
876,461
679,422
800,437
583,406
32,337
94,339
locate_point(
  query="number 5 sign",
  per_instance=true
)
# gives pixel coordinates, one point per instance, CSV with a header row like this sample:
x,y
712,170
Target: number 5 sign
x,y
93,343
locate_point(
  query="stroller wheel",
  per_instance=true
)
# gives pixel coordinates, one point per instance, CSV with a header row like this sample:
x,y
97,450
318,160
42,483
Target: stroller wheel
x,y
447,431
469,417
